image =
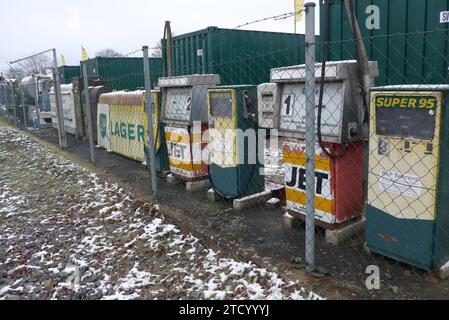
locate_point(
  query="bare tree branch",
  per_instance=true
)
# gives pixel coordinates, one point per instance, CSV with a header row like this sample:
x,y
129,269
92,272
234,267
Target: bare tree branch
x,y
108,53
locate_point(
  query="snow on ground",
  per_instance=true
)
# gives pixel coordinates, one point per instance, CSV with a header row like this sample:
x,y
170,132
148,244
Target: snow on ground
x,y
66,234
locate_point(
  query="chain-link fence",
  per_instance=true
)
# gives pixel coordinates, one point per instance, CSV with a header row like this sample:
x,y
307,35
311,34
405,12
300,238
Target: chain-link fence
x,y
231,146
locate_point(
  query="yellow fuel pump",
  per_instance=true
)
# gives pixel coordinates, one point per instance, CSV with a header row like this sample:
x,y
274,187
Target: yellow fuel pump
x,y
184,115
408,206
235,170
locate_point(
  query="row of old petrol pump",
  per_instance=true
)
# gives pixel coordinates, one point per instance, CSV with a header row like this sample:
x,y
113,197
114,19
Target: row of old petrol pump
x,y
198,114
386,160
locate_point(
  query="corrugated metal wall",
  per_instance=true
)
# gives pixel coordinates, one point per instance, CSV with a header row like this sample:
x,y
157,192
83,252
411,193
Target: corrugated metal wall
x,y
124,73
67,73
239,56
411,44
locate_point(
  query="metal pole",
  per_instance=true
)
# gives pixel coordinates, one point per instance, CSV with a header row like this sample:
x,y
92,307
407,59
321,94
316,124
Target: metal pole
x,y
203,63
25,120
203,58
150,113
36,104
31,56
14,105
59,109
310,135
6,100
294,22
89,113
169,47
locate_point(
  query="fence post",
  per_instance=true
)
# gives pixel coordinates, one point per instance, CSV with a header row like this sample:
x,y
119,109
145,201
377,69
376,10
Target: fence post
x,y
58,99
14,105
150,113
36,105
22,99
310,135
89,113
6,101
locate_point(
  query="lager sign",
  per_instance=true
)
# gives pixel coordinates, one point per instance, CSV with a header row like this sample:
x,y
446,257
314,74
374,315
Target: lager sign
x,y
128,131
127,126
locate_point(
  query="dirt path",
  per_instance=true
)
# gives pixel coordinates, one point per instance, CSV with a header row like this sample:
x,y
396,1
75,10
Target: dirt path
x,y
65,234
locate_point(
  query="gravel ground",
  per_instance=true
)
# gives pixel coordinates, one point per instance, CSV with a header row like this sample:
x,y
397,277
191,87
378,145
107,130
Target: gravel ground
x,y
66,234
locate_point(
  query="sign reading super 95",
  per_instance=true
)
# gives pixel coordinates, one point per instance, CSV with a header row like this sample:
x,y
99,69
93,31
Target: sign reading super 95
x,y
407,115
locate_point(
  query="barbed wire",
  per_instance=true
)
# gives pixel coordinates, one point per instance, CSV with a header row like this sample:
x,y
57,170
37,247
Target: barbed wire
x,y
281,16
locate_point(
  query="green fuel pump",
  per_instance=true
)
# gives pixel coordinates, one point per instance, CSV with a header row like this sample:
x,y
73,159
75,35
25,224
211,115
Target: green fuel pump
x,y
235,169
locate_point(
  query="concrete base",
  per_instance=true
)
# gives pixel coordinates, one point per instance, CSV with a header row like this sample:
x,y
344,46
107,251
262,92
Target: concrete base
x,y
172,180
273,203
212,196
287,221
444,273
197,185
366,249
252,200
338,236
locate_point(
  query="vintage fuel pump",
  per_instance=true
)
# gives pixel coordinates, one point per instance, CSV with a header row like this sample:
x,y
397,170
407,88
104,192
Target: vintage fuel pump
x,y
122,126
408,206
340,166
184,115
68,108
235,169
94,96
80,113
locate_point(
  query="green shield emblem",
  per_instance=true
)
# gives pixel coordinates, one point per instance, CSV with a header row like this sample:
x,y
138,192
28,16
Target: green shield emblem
x,y
103,125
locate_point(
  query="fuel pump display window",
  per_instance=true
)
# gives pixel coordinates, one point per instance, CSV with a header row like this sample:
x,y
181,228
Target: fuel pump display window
x,y
179,104
409,117
221,104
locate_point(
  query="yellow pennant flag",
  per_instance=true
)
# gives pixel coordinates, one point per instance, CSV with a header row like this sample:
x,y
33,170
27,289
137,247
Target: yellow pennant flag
x,y
62,60
84,54
299,7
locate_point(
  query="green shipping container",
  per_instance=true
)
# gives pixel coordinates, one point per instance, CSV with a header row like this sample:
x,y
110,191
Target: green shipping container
x,y
124,73
238,56
67,73
406,37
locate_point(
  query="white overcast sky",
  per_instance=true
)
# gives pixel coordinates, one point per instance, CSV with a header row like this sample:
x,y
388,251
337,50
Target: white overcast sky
x,y
31,26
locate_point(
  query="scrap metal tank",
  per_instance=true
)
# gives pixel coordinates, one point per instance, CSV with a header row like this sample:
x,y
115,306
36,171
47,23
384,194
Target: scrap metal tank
x,y
28,84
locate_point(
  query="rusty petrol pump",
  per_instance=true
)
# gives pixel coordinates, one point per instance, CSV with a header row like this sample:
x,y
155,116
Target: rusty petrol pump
x,y
235,169
341,134
185,117
407,213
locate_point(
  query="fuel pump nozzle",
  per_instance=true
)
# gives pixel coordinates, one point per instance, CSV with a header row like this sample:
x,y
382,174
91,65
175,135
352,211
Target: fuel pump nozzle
x,y
250,112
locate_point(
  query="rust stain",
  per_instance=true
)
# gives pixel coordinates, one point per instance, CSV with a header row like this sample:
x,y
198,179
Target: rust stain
x,y
387,237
